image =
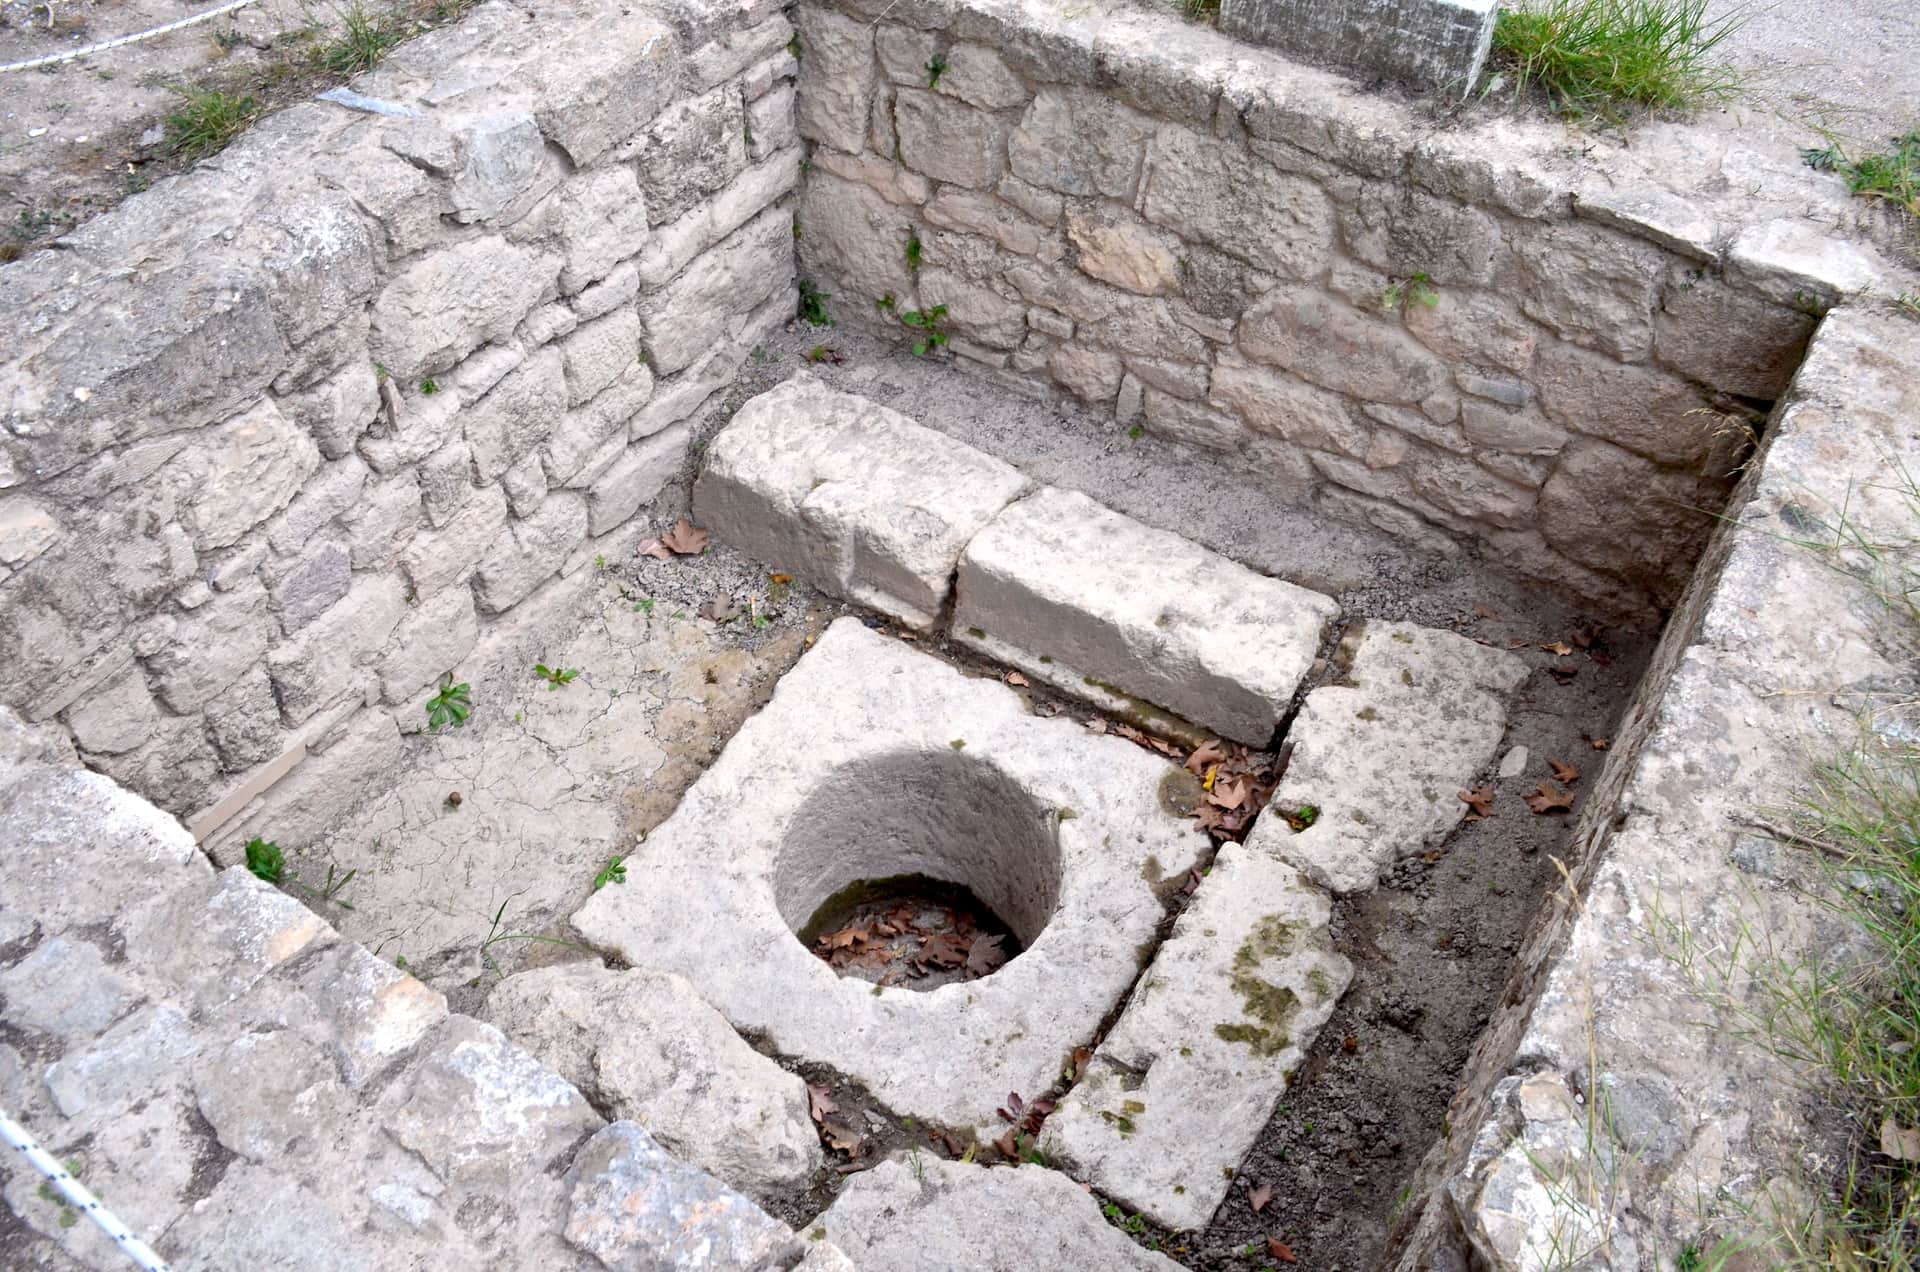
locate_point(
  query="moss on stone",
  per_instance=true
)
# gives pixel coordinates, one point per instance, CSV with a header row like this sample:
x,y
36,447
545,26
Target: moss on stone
x,y
1366,713
1273,936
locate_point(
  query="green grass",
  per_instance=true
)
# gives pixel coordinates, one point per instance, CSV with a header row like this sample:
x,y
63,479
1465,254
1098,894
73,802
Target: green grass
x,y
363,40
1612,57
208,120
1893,177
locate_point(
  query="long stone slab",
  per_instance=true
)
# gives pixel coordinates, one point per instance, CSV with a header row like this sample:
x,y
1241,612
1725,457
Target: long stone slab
x,y
1177,1093
853,497
926,1214
873,760
1104,607
1379,759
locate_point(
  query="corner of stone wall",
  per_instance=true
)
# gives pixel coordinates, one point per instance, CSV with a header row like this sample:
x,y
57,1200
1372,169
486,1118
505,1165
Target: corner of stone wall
x,y
348,408
1446,334
1750,685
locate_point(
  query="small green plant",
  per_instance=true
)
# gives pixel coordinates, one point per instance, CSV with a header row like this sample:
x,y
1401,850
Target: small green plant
x,y
365,38
208,121
600,561
1893,177
615,871
498,935
795,47
885,303
1200,10
336,884
927,323
428,388
556,678
450,706
644,605
935,69
1137,432
1418,289
265,861
1607,57
813,305
914,251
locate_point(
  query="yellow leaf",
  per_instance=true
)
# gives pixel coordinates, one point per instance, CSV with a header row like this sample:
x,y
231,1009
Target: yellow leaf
x,y
1213,775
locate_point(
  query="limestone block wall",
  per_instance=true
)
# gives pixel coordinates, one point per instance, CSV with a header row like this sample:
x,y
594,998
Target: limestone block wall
x,y
289,437
1422,330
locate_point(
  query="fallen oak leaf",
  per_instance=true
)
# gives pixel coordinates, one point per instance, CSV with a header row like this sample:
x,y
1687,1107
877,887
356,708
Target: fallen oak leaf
x,y
1207,753
985,955
1902,1143
1550,799
1278,1249
1258,1196
655,549
1017,680
842,1137
1479,801
1559,647
820,1102
685,539
1563,773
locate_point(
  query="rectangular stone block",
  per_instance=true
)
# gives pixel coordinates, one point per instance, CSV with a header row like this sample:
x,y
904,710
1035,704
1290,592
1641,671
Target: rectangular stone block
x,y
1111,610
857,499
1427,45
635,478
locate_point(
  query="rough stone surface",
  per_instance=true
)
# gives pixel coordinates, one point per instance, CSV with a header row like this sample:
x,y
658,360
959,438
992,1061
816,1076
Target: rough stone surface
x,y
646,1048
873,760
1427,45
1182,1085
855,498
1383,757
930,1214
1100,605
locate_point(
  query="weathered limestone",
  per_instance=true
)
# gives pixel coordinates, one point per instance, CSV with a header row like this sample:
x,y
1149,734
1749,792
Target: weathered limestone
x,y
873,760
855,498
1381,758
1427,45
245,1089
373,361
1179,1090
650,1051
1104,607
928,1215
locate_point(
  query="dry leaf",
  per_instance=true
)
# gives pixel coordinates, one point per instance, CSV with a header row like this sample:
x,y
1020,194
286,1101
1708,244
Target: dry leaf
x,y
842,1137
1208,753
1559,647
655,549
1902,1143
1600,744
1009,1146
1258,1196
985,955
781,580
1082,1057
685,538
1563,773
1096,726
1550,799
1479,800
1017,680
820,1103
1278,1249
1481,611
1349,1044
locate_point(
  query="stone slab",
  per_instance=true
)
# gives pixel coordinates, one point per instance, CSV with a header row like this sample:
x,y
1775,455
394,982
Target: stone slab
x,y
874,759
924,1214
1427,45
855,498
1089,600
1382,757
1185,1082
652,1052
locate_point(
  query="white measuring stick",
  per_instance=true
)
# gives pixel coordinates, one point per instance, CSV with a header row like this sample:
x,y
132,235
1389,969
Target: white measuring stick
x,y
117,41
76,1192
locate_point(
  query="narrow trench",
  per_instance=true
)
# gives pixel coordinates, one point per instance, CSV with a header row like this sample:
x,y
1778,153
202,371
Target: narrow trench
x,y
1431,948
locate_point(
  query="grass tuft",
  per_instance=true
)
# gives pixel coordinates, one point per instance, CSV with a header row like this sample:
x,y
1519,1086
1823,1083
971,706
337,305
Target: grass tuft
x,y
208,121
365,38
1893,177
1610,57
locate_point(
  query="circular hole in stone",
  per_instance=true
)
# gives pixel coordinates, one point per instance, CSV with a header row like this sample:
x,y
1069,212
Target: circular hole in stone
x,y
918,869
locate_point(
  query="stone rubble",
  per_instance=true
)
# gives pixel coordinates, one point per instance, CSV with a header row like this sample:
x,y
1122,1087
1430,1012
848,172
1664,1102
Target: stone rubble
x,y
1105,608
245,1089
855,498
1381,758
1179,1090
645,1047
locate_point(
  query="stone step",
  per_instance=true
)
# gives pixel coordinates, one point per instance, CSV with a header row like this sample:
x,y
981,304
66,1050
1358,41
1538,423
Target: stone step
x,y
857,499
922,1213
1183,1084
1114,611
1381,755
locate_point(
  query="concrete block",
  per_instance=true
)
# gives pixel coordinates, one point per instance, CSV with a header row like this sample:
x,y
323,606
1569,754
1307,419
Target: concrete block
x,y
1108,609
855,498
1427,45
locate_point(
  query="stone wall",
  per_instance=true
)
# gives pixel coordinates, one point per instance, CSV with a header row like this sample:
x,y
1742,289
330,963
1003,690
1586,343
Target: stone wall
x,y
1426,330
1774,662
289,437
